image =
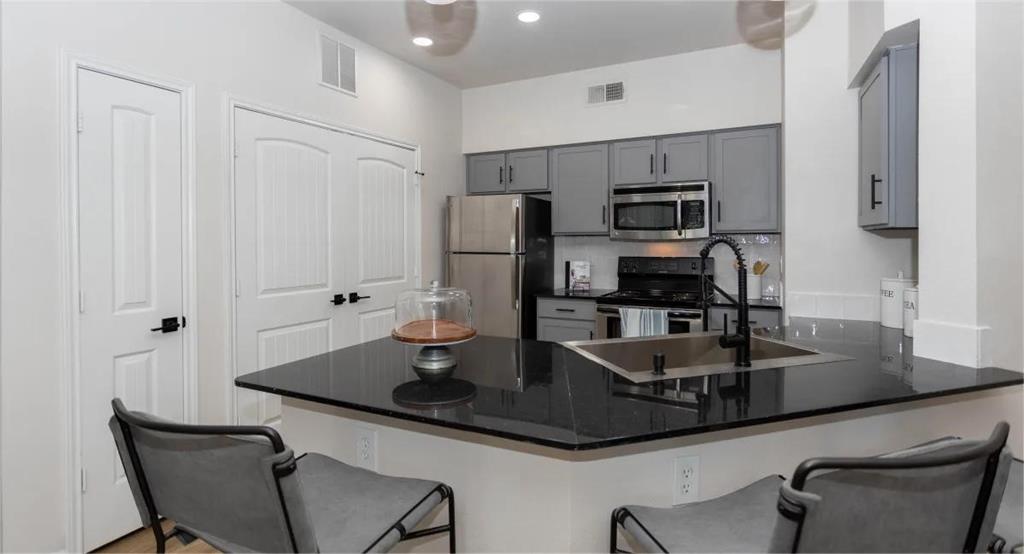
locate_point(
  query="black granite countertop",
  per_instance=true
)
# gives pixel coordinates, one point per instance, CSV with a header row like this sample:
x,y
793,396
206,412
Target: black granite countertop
x,y
543,393
579,294
763,303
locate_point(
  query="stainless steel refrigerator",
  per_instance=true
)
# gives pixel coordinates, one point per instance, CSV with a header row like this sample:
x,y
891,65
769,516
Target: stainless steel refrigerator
x,y
500,249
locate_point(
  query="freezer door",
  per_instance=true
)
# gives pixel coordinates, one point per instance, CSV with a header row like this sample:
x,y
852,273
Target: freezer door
x,y
494,284
485,223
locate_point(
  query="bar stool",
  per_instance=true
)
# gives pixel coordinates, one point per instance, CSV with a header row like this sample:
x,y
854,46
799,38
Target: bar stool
x,y
240,489
1008,535
937,497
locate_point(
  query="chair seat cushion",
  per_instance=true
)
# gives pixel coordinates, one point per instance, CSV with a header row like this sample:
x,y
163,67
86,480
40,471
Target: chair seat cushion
x,y
354,510
740,521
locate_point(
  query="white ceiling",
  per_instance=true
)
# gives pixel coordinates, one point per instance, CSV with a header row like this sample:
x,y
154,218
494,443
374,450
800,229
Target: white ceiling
x,y
480,42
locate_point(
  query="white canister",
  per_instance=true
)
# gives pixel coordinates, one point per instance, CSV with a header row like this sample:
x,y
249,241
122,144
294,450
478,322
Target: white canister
x,y
909,310
891,291
753,286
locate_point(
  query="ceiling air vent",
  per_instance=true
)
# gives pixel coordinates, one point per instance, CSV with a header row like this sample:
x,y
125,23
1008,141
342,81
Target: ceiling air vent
x,y
602,94
337,65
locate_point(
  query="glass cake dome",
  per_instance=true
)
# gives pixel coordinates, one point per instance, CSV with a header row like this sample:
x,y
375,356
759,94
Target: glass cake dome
x,y
433,316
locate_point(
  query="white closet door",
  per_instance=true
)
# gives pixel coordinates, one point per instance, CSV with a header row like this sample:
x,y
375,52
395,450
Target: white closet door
x,y
291,259
130,235
384,202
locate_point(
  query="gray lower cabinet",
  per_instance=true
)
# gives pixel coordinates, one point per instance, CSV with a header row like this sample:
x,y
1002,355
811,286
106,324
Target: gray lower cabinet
x,y
579,185
562,330
528,170
562,319
683,158
887,185
633,162
485,173
745,179
758,318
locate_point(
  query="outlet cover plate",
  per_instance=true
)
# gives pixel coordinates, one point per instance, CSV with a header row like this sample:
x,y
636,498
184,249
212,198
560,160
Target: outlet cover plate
x,y
366,448
685,479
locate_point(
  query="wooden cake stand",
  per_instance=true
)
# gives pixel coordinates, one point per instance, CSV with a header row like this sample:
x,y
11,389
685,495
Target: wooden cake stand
x,y
434,362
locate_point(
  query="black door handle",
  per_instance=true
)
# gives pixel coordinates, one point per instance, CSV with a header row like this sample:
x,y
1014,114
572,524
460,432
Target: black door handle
x,y
604,214
874,181
354,297
652,164
510,174
664,163
718,204
338,299
501,174
167,325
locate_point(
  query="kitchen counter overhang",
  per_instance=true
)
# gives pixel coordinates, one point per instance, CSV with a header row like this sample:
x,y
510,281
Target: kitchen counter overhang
x,y
545,394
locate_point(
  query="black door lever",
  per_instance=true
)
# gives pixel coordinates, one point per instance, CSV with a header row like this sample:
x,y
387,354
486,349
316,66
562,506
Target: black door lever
x,y
167,325
354,297
338,299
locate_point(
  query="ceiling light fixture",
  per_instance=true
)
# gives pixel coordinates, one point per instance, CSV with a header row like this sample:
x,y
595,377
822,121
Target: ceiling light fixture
x,y
529,16
440,2
422,41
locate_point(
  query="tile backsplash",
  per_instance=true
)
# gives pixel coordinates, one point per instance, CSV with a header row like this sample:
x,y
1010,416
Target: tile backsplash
x,y
603,255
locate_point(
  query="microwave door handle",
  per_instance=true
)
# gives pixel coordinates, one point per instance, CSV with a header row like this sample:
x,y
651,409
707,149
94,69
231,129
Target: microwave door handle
x,y
679,214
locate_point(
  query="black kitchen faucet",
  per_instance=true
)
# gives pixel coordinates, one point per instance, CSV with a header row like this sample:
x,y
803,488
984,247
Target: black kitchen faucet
x,y
741,339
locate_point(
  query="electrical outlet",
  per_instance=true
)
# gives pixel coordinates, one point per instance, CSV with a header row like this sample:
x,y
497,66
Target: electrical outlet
x,y
366,448
686,472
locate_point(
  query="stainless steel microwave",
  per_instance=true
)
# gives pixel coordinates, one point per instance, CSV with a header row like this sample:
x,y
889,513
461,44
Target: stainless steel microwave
x,y
676,211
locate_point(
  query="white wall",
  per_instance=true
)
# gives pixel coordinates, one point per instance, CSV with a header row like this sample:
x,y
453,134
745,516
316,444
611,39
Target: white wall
x,y
832,266
717,88
264,51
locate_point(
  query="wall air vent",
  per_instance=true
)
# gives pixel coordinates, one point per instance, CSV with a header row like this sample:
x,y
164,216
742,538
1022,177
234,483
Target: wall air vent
x,y
603,94
337,65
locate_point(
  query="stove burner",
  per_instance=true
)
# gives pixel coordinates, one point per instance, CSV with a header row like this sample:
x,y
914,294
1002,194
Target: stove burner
x,y
658,282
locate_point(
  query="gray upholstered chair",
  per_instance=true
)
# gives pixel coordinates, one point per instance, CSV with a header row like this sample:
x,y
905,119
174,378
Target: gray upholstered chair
x,y
241,489
937,497
1008,534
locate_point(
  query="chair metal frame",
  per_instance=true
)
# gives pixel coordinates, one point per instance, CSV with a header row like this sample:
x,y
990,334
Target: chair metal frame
x,y
126,419
989,449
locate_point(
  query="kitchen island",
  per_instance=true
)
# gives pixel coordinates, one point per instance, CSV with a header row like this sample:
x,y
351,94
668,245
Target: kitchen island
x,y
553,441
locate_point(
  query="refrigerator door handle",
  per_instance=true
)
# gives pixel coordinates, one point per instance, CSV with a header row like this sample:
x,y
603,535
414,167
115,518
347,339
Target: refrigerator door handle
x,y
515,282
514,240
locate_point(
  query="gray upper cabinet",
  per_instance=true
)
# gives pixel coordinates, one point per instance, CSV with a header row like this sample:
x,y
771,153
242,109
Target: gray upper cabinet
x,y
887,176
633,162
745,178
579,182
485,173
528,170
682,158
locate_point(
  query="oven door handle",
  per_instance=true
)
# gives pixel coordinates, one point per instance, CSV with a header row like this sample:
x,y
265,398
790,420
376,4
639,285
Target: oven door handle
x,y
679,214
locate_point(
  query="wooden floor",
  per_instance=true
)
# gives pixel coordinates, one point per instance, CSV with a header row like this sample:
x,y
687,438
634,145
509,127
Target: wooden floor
x,y
143,541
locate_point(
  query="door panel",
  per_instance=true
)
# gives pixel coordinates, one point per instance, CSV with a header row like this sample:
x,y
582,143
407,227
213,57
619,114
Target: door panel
x,y
486,173
492,281
874,149
633,162
683,158
528,170
483,223
130,268
746,181
580,190
291,258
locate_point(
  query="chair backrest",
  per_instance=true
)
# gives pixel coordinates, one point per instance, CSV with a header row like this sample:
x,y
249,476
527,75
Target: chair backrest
x,y
938,497
233,486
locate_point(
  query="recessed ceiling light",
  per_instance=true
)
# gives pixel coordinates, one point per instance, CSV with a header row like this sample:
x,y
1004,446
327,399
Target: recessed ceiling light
x,y
529,16
440,2
422,41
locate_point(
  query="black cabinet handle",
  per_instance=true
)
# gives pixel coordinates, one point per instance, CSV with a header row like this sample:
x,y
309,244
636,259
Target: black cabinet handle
x,y
354,297
874,181
501,174
664,163
570,310
652,164
604,214
338,299
718,209
167,325
510,174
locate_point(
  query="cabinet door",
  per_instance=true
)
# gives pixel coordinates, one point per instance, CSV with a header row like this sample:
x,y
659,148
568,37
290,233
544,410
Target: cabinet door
x,y
770,319
633,162
486,173
873,183
683,158
528,170
561,330
746,181
580,190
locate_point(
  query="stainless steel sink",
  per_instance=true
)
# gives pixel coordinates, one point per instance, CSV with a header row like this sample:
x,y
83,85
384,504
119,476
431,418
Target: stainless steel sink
x,y
692,355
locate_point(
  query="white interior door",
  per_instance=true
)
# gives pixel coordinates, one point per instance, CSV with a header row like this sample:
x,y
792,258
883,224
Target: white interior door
x,y
290,259
130,265
385,200
318,213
